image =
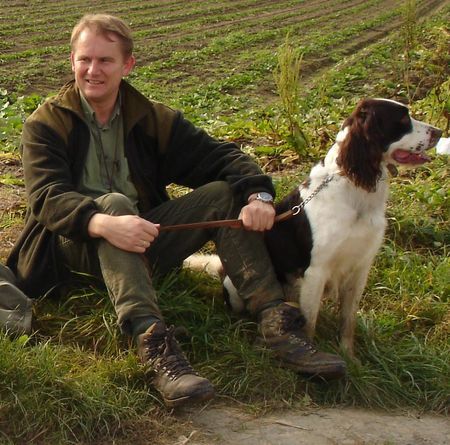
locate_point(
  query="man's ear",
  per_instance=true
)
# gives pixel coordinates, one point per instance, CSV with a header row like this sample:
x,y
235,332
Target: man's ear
x,y
129,65
72,61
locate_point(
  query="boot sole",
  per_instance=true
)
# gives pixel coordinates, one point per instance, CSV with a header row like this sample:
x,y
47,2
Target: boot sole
x,y
192,398
332,373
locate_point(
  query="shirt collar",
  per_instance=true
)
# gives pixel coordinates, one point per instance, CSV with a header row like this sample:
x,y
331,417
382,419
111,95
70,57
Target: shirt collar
x,y
89,113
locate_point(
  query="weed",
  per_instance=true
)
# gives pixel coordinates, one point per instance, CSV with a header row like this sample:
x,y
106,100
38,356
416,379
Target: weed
x,y
13,111
435,107
409,35
287,80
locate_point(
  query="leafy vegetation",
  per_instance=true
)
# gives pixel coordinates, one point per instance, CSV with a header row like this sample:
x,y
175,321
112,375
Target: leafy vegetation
x,y
77,379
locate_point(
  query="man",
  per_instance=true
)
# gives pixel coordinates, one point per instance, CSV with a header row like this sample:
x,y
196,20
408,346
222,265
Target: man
x,y
97,159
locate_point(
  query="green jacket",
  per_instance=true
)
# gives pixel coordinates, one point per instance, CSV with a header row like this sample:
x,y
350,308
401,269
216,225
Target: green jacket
x,y
161,148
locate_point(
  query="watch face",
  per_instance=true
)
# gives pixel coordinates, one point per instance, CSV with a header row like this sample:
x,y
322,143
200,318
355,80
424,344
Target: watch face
x,y
264,196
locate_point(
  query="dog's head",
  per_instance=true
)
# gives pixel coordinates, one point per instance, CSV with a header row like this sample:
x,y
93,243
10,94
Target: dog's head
x,y
382,131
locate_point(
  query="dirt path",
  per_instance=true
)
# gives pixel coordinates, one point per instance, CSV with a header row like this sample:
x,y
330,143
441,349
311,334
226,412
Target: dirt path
x,y
221,425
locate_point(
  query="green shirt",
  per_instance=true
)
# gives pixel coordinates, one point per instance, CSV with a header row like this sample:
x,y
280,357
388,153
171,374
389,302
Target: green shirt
x,y
106,168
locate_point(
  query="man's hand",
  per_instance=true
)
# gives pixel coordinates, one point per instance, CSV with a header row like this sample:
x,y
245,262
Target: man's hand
x,y
258,215
128,232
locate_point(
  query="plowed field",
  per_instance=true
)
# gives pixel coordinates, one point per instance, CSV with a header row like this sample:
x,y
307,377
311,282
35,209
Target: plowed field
x,y
192,41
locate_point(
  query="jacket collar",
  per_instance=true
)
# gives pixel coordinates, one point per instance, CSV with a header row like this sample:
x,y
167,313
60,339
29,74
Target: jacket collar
x,y
136,105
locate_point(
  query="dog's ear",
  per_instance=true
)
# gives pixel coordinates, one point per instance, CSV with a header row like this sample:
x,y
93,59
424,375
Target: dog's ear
x,y
360,154
370,122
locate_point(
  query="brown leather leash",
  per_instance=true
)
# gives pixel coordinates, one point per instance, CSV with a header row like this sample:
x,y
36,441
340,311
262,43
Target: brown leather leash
x,y
231,223
238,224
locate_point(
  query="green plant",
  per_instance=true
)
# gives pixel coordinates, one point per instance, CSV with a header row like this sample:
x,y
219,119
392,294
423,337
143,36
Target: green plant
x,y
409,36
13,111
435,108
287,80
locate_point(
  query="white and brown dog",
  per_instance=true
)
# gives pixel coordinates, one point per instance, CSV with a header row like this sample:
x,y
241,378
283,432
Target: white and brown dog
x,y
329,247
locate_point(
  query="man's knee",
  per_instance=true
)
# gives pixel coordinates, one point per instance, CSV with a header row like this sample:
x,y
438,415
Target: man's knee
x,y
220,192
115,204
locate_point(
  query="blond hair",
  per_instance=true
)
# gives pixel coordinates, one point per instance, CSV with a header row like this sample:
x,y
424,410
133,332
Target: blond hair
x,y
104,24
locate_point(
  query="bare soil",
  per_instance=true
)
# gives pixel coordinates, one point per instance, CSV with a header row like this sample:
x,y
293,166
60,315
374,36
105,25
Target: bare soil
x,y
47,27
12,202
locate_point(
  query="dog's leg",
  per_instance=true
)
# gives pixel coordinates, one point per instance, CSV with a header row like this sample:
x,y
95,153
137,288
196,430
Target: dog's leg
x,y
291,288
311,291
350,293
331,291
234,300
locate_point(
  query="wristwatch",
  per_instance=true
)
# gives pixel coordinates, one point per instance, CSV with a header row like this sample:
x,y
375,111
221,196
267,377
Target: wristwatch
x,y
263,197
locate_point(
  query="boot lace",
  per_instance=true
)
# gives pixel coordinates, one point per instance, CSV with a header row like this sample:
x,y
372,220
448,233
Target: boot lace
x,y
165,355
290,322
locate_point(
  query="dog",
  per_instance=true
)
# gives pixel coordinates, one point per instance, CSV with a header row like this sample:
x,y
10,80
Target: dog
x,y
329,246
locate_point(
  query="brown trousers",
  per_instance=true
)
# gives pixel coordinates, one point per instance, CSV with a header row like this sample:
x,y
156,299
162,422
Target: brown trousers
x,y
127,276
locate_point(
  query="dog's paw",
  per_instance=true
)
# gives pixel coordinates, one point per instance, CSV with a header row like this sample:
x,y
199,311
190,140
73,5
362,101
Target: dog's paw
x,y
231,296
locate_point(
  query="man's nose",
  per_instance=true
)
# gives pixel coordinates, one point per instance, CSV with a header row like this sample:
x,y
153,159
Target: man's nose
x,y
94,67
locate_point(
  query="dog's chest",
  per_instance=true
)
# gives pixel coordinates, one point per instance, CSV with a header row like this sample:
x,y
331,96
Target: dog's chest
x,y
346,222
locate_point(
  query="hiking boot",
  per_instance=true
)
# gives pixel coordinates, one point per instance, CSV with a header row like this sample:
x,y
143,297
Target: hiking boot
x,y
280,329
174,377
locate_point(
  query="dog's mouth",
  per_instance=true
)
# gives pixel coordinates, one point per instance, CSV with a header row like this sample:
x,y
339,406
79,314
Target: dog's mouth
x,y
408,157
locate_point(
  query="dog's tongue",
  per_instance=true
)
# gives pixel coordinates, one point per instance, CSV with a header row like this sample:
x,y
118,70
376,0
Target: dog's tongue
x,y
406,157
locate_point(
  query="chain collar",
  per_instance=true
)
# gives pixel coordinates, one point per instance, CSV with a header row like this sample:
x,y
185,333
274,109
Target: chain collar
x,y
298,208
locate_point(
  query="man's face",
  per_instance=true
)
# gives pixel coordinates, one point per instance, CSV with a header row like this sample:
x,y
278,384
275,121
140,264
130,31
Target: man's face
x,y
99,65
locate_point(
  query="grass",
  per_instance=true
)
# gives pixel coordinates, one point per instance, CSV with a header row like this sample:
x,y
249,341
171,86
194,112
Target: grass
x,y
77,379
59,394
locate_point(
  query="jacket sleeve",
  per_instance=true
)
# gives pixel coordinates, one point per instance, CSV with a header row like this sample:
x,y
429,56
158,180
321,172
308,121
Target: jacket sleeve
x,y
194,158
49,180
